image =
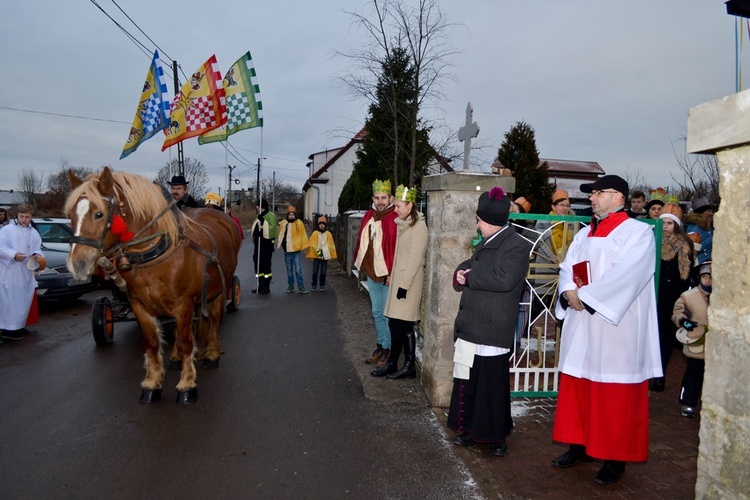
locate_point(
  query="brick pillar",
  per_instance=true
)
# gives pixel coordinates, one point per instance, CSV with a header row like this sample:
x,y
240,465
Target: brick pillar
x,y
451,218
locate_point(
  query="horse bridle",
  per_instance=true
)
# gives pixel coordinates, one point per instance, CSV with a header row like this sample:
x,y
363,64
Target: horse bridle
x,y
110,251
99,245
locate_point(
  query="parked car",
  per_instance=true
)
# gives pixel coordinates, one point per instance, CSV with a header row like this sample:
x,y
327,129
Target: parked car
x,y
56,282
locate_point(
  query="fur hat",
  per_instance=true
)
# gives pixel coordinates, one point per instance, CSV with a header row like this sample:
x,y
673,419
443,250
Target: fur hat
x,y
673,212
263,204
559,195
700,205
494,207
523,203
291,208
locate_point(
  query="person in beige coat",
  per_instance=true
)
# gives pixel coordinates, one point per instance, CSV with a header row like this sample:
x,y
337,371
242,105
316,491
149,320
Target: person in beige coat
x,y
405,291
691,314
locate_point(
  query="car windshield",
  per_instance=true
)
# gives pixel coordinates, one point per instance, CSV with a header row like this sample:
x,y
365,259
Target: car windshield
x,y
54,233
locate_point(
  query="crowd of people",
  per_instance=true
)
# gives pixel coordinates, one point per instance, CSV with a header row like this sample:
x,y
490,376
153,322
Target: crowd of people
x,y
620,322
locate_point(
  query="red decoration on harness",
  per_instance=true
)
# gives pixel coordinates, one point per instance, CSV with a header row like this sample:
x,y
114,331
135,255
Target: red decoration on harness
x,y
120,229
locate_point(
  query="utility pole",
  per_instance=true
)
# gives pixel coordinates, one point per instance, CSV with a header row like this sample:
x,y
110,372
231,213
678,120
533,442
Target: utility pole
x,y
228,198
257,186
273,190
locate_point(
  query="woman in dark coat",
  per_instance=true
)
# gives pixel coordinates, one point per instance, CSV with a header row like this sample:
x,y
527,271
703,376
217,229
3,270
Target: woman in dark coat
x,y
490,283
674,278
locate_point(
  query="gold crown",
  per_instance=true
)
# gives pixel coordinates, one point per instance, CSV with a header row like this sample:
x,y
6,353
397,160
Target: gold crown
x,y
381,186
406,194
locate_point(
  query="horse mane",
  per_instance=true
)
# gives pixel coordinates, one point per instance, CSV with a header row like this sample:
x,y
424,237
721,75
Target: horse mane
x,y
137,197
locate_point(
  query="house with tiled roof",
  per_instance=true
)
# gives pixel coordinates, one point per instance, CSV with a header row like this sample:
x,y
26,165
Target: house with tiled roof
x,y
570,174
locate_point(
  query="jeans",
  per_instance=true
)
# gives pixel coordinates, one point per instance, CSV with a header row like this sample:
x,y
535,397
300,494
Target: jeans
x,y
322,266
293,265
378,296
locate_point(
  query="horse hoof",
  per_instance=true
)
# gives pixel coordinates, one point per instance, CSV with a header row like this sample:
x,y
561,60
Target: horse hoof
x,y
210,363
150,395
175,364
187,397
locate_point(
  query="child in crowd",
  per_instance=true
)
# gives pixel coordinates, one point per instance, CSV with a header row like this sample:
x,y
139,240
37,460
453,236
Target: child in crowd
x,y
322,249
691,314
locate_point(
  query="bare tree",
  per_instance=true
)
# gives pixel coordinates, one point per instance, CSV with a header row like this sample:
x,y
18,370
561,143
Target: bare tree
x,y
423,31
58,187
280,193
700,175
195,173
29,185
636,181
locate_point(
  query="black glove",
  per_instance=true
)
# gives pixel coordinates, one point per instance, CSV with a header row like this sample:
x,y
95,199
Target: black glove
x,y
687,324
400,293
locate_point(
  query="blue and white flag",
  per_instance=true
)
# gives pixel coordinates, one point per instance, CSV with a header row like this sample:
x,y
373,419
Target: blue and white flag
x,y
151,115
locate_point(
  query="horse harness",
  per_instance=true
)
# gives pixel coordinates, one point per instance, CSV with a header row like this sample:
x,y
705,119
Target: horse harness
x,y
132,261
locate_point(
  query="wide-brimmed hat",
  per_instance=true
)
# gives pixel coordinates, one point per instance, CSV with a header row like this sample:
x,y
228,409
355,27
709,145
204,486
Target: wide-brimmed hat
x,y
178,180
608,182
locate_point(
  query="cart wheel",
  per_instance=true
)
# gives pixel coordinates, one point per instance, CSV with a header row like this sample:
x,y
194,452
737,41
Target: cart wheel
x,y
102,322
235,295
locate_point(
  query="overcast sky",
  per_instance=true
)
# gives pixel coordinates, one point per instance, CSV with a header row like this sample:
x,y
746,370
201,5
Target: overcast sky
x,y
598,80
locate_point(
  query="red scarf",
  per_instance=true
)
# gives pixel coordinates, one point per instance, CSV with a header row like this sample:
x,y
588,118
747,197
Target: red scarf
x,y
601,228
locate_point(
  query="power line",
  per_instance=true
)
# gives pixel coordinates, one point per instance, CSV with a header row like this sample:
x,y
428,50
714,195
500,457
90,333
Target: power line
x,y
137,43
63,115
144,33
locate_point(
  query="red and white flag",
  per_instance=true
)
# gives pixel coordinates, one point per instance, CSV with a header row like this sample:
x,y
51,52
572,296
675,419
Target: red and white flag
x,y
199,107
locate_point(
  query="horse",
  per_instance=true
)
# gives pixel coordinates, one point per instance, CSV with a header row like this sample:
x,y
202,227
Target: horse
x,y
169,263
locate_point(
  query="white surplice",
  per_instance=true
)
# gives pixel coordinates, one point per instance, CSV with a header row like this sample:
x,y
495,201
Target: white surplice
x,y
620,342
16,279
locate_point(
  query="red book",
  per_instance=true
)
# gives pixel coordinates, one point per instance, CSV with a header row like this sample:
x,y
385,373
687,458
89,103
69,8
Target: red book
x,y
582,273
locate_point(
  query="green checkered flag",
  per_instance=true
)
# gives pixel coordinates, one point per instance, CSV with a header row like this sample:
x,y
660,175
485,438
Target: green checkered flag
x,y
244,106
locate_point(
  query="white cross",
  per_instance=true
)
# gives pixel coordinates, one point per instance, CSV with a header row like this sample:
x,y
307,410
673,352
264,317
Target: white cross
x,y
466,133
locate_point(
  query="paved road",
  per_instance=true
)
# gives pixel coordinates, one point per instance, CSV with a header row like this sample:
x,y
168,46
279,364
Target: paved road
x,y
285,415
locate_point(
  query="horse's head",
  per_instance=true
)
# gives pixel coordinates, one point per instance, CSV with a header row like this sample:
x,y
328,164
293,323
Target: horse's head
x,y
107,210
90,207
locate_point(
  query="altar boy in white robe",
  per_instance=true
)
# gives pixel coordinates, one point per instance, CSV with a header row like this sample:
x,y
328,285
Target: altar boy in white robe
x,y
610,338
20,255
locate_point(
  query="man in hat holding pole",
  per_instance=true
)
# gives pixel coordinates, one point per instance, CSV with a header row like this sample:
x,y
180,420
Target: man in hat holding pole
x,y
610,337
178,188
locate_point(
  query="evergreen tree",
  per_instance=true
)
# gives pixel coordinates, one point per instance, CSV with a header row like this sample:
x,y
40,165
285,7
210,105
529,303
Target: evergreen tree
x,y
519,154
386,150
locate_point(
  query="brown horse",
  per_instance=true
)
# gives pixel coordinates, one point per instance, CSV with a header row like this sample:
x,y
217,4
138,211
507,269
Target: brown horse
x,y
170,264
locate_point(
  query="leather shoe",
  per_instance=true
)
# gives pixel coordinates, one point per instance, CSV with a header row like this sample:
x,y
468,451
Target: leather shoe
x,y
464,439
610,472
499,449
657,384
572,457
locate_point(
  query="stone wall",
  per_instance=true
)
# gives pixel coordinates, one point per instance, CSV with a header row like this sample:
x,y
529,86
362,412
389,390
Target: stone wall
x,y
451,214
723,127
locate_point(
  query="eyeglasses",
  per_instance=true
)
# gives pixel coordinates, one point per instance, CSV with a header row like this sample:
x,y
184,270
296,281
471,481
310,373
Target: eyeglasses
x,y
598,193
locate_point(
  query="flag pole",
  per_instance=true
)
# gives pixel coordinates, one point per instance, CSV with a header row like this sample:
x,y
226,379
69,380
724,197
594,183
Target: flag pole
x,y
180,156
259,195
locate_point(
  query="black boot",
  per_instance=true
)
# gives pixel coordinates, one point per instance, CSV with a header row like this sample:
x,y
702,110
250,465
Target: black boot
x,y
265,285
391,365
408,370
